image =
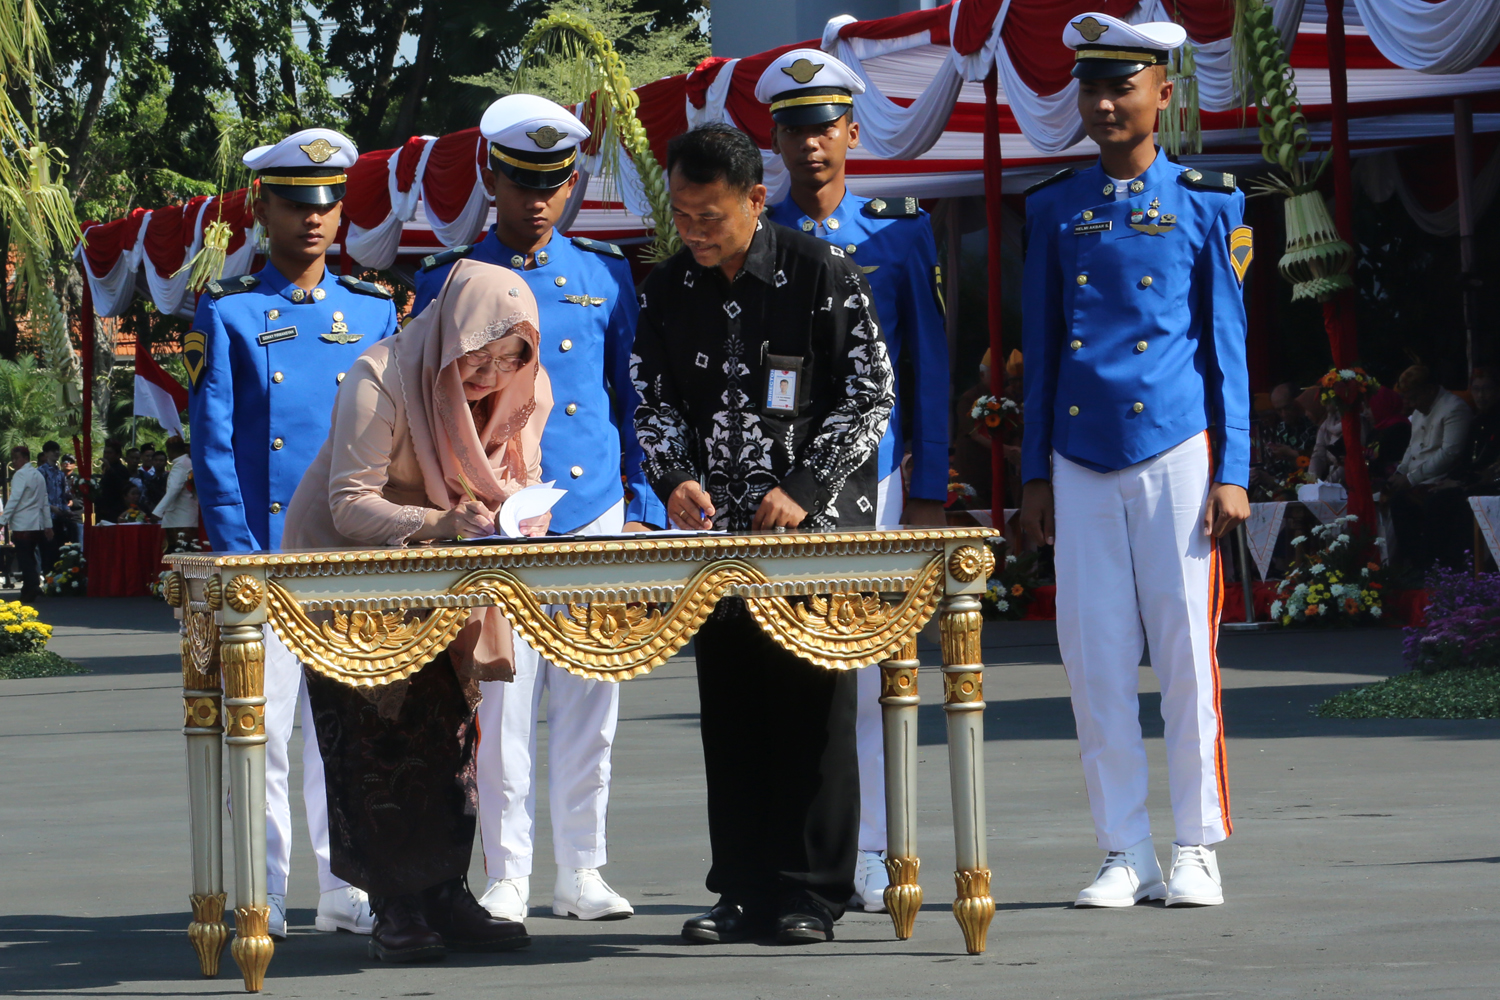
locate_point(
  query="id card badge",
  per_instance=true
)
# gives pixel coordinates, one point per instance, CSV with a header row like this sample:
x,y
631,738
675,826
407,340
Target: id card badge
x,y
783,385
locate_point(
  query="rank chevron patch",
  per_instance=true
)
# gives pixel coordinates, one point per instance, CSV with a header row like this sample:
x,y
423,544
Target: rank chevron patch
x,y
1241,251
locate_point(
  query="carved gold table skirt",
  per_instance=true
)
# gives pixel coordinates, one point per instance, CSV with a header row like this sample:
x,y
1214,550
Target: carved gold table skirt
x,y
631,604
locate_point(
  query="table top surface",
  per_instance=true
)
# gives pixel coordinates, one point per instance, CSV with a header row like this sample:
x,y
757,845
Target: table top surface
x,y
642,545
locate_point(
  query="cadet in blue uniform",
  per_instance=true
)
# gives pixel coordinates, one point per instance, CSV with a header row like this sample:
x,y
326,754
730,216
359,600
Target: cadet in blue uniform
x,y
264,358
587,306
811,98
1137,442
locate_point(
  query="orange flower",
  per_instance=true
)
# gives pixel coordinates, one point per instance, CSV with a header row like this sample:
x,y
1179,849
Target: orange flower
x,y
1017,590
992,420
1303,461
1373,567
1312,609
1376,586
1351,606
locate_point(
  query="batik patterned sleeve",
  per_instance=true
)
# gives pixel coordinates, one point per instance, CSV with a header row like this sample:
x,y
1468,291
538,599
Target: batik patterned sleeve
x,y
661,424
861,380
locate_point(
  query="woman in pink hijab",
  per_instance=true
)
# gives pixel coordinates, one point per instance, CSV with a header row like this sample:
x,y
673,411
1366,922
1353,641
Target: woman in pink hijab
x,y
433,429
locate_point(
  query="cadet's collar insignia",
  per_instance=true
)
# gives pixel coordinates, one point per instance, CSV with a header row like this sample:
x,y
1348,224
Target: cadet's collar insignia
x,y
1091,28
319,150
808,225
337,336
298,295
318,294
546,137
1241,251
194,346
1137,186
517,260
585,300
803,70
1109,189
541,258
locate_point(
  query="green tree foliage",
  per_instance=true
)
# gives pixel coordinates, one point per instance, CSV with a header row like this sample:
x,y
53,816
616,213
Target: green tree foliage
x,y
29,412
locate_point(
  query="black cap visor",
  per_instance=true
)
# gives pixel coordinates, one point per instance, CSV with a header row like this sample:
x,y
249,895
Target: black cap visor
x,y
541,171
325,194
811,105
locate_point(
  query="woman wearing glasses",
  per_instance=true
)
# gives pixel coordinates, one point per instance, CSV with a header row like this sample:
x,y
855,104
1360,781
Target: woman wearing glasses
x,y
432,430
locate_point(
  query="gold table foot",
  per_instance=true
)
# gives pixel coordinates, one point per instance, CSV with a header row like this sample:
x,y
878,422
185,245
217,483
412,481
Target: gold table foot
x,y
974,908
903,897
208,931
252,947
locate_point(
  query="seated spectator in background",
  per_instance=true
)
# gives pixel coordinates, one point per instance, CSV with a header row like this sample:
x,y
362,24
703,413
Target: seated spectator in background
x,y
1327,463
132,514
971,441
156,481
1392,432
1292,436
133,466
1439,438
1447,521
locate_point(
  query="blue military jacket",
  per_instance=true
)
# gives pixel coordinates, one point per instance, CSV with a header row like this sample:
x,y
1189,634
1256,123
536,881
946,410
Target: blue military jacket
x,y
587,310
264,362
1133,322
892,241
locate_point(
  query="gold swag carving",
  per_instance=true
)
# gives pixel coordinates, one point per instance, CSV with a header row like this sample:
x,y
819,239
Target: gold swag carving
x,y
605,641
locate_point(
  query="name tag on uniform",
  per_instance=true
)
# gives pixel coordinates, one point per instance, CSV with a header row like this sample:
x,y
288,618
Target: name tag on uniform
x,y
1084,228
273,336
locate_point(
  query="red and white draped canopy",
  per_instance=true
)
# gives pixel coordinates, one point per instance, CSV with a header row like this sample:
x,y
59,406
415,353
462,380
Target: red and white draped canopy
x,y
921,120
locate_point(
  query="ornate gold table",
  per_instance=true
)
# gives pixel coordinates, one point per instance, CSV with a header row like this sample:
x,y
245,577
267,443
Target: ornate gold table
x,y
630,605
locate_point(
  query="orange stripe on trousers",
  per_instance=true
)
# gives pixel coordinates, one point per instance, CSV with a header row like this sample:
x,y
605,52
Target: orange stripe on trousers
x,y
1215,611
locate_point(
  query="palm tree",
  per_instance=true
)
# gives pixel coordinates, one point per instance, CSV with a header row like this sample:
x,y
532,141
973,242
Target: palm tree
x,y
36,209
28,404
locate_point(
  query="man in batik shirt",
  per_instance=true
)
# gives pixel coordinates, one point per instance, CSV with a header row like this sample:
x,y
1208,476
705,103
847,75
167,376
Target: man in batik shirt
x,y
765,388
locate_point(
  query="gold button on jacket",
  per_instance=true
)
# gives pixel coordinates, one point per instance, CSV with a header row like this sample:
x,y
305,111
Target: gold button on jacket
x,y
276,508
1072,411
572,409
1076,344
566,345
576,471
1146,281
278,444
1083,279
277,377
1140,346
1138,407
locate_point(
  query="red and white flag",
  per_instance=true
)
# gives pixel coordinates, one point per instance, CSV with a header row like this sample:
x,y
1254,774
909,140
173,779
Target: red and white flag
x,y
157,394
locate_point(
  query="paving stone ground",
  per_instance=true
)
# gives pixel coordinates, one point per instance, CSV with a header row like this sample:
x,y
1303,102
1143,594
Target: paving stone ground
x,y
1364,861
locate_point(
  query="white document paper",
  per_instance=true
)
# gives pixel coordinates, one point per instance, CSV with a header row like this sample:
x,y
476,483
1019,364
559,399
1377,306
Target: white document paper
x,y
533,501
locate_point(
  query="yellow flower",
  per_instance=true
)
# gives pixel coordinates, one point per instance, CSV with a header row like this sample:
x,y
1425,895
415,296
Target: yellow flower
x,y
13,628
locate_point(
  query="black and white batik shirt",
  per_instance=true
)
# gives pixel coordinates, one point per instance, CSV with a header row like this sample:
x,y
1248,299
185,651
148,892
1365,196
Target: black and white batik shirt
x,y
699,367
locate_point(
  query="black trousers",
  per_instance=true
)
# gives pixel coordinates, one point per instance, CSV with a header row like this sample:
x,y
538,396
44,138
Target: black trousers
x,y
402,794
28,545
783,775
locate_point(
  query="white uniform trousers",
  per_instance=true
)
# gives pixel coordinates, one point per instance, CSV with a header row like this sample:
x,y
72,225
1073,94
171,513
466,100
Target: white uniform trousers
x,y
285,687
869,725
581,718
1134,567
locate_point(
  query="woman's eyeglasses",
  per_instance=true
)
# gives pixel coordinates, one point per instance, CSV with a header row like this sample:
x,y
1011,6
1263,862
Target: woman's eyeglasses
x,y
477,361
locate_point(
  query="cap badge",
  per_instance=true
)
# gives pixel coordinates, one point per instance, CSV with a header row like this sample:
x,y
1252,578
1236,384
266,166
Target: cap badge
x,y
1090,28
803,70
546,137
319,150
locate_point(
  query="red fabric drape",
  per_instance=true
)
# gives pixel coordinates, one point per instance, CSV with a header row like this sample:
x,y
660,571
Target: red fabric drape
x,y
1033,37
235,210
993,178
450,177
1338,315
367,194
406,163
105,243
902,25
164,246
663,113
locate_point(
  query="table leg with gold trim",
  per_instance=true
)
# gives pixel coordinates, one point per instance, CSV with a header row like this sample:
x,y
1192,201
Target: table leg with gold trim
x,y
202,700
243,653
899,701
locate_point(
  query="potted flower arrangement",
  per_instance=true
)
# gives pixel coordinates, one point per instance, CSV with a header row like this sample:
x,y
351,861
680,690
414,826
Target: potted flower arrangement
x,y
23,645
69,575
1010,591
993,412
1344,389
1331,579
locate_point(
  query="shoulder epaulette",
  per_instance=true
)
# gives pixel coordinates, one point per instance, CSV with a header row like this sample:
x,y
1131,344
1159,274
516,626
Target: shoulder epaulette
x,y
1207,180
232,286
895,208
598,246
1061,175
363,287
448,256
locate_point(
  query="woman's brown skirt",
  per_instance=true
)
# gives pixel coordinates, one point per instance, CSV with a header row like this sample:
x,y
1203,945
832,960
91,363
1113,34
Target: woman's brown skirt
x,y
401,790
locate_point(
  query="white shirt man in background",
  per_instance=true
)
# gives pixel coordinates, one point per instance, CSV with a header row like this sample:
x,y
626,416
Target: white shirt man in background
x,y
28,517
1439,429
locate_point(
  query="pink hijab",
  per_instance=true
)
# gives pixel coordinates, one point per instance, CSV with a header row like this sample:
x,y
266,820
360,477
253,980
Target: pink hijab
x,y
478,304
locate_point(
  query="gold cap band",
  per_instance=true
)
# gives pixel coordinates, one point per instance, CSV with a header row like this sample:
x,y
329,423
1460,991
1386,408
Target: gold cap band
x,y
527,165
796,102
1123,56
303,181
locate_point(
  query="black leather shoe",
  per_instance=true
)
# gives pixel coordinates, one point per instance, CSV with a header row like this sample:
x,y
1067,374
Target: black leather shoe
x,y
726,923
454,913
803,921
401,933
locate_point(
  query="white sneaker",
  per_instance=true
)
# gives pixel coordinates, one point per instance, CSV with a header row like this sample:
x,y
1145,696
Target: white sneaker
x,y
1125,878
276,927
870,880
1195,877
582,893
508,898
345,909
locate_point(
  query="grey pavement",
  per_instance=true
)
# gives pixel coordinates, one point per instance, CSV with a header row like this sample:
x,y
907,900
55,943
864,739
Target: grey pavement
x,y
1364,859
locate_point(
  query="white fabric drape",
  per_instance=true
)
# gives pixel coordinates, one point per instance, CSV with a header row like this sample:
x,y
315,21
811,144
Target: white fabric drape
x,y
113,291
379,246
778,181
1447,37
170,292
467,226
1380,176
